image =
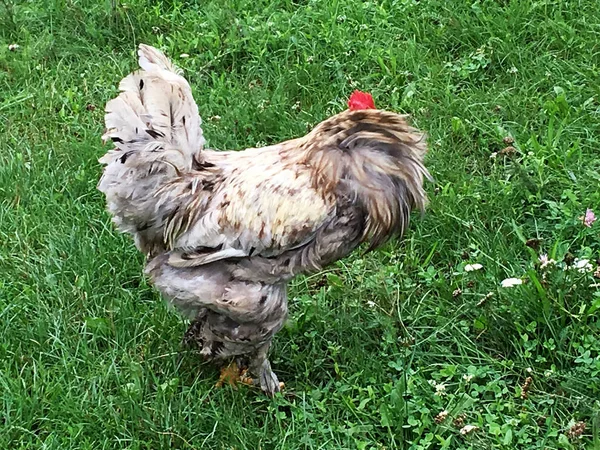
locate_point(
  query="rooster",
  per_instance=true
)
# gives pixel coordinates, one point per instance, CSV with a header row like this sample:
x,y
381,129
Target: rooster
x,y
225,231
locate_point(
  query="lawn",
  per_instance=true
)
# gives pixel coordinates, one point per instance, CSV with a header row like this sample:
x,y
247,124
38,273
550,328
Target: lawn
x,y
402,348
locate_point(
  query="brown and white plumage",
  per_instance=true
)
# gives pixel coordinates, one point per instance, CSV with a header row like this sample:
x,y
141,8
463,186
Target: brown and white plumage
x,y
225,231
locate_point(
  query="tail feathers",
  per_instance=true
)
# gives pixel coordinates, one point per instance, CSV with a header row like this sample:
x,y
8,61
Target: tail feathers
x,y
125,119
155,126
153,60
155,106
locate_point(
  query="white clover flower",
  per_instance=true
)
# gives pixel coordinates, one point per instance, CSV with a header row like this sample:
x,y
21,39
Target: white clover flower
x,y
583,265
440,389
468,429
468,377
473,267
511,282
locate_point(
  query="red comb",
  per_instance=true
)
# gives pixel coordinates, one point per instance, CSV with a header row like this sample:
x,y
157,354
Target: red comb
x,y
360,100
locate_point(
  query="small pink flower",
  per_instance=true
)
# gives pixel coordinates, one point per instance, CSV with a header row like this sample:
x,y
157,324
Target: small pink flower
x,y
589,218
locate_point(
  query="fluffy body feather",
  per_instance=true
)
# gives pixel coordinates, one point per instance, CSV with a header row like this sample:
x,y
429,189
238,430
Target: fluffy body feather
x,y
225,231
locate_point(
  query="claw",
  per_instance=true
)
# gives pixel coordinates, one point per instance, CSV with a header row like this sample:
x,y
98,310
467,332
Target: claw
x,y
246,379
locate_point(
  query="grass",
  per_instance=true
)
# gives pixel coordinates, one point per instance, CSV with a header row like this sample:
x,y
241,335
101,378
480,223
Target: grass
x,y
378,345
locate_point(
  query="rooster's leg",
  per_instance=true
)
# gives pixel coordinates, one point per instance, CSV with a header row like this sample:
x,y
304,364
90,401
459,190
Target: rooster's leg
x,y
261,367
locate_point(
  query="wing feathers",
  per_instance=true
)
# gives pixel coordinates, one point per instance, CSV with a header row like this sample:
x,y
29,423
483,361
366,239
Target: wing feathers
x,y
203,256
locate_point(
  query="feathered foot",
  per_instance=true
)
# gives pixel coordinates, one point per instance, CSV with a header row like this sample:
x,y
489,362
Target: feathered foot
x,y
261,367
267,379
237,372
